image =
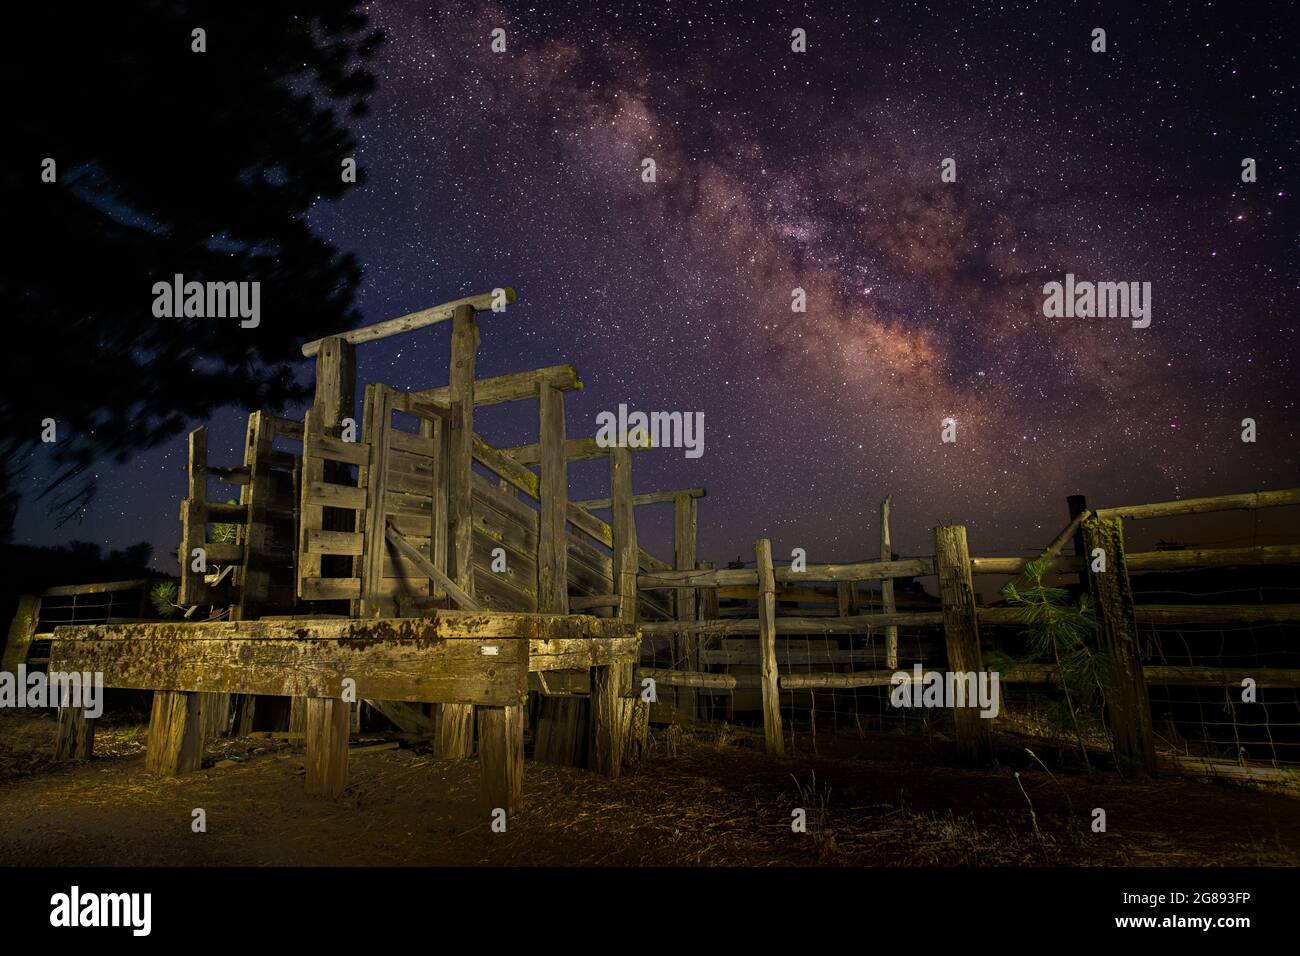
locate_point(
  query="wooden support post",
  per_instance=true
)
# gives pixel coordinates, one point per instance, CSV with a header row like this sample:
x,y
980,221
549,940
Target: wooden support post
x,y
1127,703
687,652
773,737
501,756
887,587
21,630
553,548
75,736
175,742
961,634
326,736
626,560
456,721
608,722
1077,505
560,726
255,576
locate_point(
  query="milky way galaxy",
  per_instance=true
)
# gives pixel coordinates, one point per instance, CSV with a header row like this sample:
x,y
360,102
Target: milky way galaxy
x,y
778,170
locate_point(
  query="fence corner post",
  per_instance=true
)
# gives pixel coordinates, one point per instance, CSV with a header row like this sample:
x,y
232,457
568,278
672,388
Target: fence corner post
x,y
769,678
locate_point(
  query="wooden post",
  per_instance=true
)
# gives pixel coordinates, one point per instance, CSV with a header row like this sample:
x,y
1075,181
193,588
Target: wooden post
x,y
175,742
708,596
21,630
887,605
773,737
1127,703
501,756
553,545
326,737
686,653
1077,504
560,724
75,736
455,737
626,565
623,528
961,634
608,725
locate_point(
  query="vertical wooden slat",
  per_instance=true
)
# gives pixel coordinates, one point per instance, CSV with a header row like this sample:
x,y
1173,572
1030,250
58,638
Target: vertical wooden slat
x,y
773,737
626,557
255,575
552,549
310,516
686,653
1127,703
501,756
194,516
456,721
379,401
326,737
887,586
961,635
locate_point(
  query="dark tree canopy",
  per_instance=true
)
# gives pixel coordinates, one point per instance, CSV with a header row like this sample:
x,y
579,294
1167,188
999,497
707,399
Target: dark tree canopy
x,y
168,161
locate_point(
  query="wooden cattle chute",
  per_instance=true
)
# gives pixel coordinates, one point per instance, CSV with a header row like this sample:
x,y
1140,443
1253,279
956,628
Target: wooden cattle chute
x,y
960,618
407,514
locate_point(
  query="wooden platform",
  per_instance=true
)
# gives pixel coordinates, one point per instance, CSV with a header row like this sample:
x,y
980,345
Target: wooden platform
x,y
445,657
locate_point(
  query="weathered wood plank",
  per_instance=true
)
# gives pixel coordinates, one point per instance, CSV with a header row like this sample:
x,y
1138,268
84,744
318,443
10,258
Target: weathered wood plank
x,y
961,634
175,742
326,738
413,320
1127,702
514,387
773,737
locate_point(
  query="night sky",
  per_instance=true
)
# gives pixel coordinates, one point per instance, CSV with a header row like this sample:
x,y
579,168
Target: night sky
x,y
821,170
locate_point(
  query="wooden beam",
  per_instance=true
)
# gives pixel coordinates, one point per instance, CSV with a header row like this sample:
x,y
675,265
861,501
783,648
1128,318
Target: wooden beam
x,y
575,449
1127,703
648,498
514,387
961,635
861,571
774,739
412,321
887,584
1193,506
426,567
561,742
858,624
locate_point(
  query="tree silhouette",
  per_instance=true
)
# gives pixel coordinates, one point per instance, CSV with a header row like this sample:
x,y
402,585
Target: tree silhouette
x,y
168,161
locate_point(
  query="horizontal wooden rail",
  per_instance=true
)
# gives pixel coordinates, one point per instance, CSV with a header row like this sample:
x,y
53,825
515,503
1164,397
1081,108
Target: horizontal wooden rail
x,y
1160,675
851,624
512,387
413,320
725,577
649,498
68,590
1193,506
1187,559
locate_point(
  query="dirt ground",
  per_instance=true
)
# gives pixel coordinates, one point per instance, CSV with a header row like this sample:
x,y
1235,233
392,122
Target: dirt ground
x,y
716,800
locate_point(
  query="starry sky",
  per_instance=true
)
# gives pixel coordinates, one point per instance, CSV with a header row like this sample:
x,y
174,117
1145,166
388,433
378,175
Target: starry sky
x,y
821,170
